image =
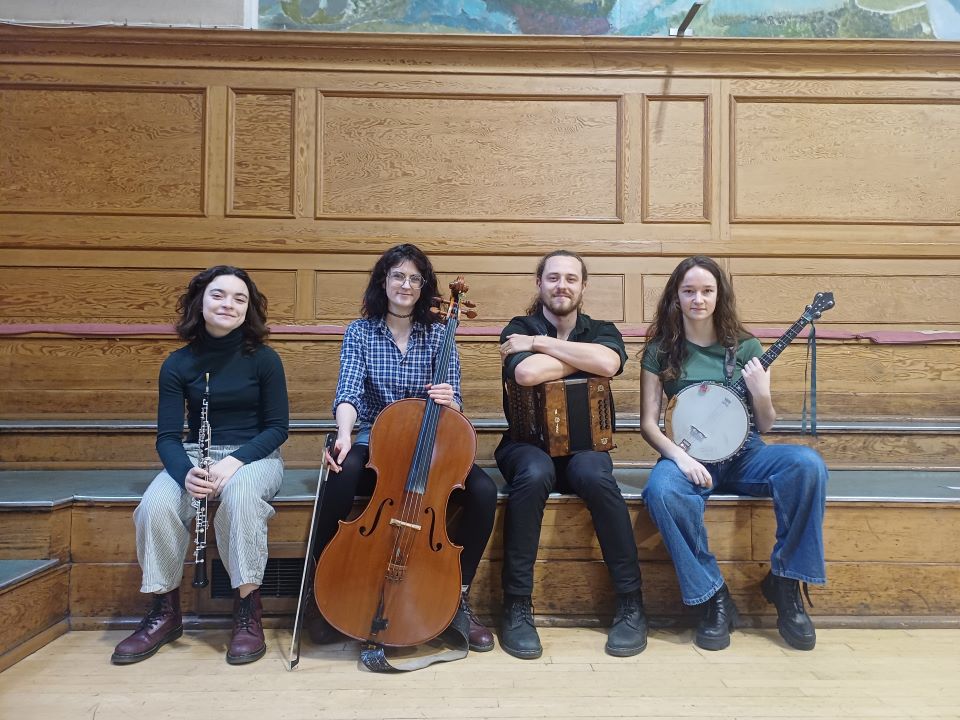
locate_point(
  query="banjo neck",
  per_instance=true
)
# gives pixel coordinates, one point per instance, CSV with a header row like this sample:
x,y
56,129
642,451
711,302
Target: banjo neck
x,y
773,352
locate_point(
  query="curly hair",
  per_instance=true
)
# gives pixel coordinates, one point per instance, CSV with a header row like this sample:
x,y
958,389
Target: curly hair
x,y
375,296
190,308
537,304
667,326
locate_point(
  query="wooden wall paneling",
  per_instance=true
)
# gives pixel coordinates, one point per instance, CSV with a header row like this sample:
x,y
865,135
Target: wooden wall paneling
x,y
840,160
877,532
677,167
116,378
102,150
33,606
104,295
104,533
262,152
499,295
305,158
216,151
112,590
35,533
470,158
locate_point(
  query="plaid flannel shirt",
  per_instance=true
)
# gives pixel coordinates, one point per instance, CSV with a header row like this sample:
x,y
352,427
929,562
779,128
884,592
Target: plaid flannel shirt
x,y
374,373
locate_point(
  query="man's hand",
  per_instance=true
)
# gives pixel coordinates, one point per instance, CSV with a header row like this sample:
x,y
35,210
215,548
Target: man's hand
x,y
516,343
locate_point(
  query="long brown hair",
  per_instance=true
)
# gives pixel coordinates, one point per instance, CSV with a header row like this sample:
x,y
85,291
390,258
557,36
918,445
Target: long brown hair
x,y
537,304
667,326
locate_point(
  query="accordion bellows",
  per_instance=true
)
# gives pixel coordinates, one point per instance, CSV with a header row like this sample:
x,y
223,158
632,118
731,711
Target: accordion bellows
x,y
562,417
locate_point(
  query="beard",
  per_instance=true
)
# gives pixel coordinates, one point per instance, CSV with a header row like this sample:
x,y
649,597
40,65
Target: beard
x,y
561,305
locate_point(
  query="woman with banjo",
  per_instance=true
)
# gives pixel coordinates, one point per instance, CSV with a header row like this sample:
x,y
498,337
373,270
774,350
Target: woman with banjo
x,y
695,346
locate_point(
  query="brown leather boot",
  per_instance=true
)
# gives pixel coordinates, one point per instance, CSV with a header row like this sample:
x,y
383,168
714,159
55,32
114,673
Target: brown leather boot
x,y
162,624
481,639
247,643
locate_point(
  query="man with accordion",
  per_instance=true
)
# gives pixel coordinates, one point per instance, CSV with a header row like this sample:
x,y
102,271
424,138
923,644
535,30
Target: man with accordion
x,y
554,342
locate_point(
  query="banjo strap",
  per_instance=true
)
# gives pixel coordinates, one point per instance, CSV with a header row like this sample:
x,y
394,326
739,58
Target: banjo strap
x,y
729,363
810,380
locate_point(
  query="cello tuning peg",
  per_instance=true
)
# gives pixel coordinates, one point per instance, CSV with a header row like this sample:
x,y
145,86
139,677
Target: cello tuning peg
x,y
436,300
470,314
469,304
435,310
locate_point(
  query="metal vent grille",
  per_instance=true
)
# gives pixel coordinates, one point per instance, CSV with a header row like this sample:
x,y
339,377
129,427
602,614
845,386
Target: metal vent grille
x,y
280,579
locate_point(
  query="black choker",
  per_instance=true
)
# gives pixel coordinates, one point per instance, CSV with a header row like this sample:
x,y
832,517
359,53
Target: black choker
x,y
402,317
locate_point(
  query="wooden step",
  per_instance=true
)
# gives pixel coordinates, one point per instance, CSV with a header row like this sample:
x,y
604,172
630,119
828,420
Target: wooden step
x,y
907,572
34,597
113,444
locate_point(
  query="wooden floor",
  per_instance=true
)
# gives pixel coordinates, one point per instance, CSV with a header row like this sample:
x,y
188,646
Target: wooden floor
x,y
851,674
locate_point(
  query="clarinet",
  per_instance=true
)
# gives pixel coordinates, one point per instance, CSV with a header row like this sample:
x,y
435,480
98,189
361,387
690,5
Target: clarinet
x,y
200,504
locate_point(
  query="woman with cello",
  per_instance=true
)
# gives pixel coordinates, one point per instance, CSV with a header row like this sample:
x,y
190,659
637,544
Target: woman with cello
x,y
389,355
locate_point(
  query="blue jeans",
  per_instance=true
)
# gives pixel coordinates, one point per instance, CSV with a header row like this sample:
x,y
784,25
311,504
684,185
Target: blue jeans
x,y
794,476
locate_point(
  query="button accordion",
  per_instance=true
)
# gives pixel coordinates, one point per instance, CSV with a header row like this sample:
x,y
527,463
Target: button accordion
x,y
562,416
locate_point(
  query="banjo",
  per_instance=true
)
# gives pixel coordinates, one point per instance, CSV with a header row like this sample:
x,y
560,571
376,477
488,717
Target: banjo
x,y
710,421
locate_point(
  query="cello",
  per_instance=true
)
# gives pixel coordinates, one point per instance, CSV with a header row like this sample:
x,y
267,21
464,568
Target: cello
x,y
392,575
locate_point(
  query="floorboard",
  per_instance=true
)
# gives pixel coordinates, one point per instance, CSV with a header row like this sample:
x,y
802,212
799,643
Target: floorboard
x,y
852,674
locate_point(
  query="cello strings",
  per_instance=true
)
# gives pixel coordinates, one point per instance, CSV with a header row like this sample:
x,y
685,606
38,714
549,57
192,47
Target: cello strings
x,y
416,484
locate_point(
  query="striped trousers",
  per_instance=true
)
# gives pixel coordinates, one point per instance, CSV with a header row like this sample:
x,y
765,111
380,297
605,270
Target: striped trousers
x,y
165,528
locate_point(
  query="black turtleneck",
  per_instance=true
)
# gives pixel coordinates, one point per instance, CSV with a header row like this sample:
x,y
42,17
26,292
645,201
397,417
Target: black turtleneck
x,y
248,400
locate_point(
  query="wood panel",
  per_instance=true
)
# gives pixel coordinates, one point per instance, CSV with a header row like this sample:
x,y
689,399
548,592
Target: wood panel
x,y
33,606
676,170
260,179
116,378
572,580
469,158
112,590
142,295
778,298
34,534
499,296
876,533
102,150
838,161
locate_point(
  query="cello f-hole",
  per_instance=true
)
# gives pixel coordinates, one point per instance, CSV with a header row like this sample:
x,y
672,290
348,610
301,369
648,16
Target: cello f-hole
x,y
376,520
435,546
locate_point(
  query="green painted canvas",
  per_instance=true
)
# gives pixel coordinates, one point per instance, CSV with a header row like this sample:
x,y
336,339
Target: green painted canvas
x,y
931,19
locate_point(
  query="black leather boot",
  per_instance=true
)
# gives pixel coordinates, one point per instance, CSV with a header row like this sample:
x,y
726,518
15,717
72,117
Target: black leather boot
x,y
518,636
162,624
794,624
719,618
628,634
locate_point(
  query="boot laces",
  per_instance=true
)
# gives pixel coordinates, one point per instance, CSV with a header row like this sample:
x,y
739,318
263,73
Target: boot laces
x,y
245,613
521,610
794,595
465,606
158,608
628,607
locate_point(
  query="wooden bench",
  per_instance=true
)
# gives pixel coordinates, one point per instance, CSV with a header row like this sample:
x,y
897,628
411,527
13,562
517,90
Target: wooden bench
x,y
888,533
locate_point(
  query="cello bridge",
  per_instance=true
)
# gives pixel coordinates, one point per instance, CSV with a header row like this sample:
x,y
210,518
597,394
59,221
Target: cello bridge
x,y
401,523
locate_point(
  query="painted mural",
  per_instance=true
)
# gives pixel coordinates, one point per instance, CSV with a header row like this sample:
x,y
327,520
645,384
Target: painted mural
x,y
931,19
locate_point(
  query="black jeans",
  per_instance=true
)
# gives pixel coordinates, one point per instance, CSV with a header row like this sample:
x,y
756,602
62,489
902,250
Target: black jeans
x,y
478,501
531,476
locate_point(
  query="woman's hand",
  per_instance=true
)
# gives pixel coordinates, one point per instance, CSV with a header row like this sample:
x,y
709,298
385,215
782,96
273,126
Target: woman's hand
x,y
340,449
441,394
221,471
756,378
197,484
695,472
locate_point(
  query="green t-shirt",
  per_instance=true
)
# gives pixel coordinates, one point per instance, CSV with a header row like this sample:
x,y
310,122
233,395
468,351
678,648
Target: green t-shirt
x,y
703,364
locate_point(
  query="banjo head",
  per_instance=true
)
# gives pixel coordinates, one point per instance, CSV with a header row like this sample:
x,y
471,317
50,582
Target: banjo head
x,y
709,421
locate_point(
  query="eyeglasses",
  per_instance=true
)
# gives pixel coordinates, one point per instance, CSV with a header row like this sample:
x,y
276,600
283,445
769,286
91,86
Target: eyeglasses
x,y
398,278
